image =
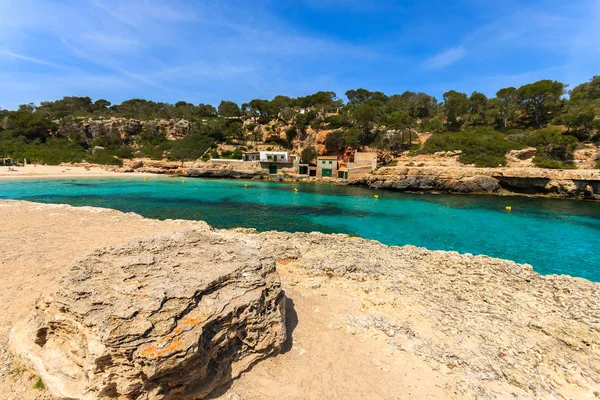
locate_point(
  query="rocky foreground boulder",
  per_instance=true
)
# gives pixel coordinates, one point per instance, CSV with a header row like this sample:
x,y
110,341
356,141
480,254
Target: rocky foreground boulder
x,y
166,317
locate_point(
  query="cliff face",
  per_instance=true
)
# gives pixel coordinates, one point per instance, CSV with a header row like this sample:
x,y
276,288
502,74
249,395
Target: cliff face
x,y
536,181
125,128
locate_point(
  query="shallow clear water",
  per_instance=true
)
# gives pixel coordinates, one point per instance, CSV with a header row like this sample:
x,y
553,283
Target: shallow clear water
x,y
555,236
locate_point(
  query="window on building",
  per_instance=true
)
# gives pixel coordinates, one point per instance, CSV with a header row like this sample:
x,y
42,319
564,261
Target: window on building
x,y
269,157
330,162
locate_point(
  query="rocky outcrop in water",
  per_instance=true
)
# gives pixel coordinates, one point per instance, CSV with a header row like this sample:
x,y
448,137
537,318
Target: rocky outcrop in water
x,y
167,317
198,169
535,181
421,179
582,184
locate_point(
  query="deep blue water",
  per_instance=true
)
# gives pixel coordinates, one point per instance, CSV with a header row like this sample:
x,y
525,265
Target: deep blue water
x,y
555,236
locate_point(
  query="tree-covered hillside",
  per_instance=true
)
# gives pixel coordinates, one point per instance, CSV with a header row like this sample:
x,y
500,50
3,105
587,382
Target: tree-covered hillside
x,y
542,114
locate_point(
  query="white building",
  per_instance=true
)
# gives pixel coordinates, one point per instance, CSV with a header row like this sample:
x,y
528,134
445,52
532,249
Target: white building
x,y
274,156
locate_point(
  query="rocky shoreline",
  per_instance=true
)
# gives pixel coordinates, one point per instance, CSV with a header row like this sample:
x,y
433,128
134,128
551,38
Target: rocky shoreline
x,y
475,326
573,184
569,184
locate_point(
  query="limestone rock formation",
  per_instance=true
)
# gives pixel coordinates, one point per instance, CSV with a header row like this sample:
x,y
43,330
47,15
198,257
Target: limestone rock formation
x,y
126,128
197,169
563,183
583,184
523,154
167,317
422,179
500,329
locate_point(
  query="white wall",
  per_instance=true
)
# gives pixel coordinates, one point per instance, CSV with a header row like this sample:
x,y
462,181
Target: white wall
x,y
281,156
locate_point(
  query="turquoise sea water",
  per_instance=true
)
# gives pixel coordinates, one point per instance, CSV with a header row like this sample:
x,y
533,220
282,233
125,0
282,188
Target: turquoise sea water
x,y
555,236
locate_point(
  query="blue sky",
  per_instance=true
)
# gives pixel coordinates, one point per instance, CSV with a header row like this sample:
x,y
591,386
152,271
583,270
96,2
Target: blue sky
x,y
208,50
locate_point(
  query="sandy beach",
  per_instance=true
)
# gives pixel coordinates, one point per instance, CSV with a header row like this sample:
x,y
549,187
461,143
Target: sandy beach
x,y
63,171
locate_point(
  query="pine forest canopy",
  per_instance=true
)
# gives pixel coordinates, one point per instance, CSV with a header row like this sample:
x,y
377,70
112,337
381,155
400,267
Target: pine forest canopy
x,y
367,118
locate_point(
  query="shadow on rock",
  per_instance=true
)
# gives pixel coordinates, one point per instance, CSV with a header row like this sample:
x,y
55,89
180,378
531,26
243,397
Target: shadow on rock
x,y
291,322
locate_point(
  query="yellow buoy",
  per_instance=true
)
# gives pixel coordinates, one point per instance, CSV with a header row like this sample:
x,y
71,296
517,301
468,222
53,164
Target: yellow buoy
x,y
245,185
295,189
508,208
183,180
376,196
145,179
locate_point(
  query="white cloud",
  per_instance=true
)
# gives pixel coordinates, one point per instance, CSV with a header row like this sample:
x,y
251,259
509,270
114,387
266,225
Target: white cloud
x,y
145,14
168,50
104,63
29,59
26,87
111,42
445,58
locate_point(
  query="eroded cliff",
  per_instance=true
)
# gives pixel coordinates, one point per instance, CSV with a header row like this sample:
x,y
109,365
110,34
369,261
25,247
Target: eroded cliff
x,y
583,184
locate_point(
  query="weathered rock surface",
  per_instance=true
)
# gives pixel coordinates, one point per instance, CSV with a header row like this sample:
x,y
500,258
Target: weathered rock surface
x,y
126,128
421,179
501,329
479,327
582,184
166,317
244,170
198,169
537,181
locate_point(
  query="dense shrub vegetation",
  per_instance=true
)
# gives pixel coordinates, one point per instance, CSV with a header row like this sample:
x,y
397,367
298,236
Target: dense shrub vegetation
x,y
484,129
483,147
554,149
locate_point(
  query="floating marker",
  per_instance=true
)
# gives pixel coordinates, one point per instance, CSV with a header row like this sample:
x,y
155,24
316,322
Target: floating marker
x,y
245,185
508,208
295,189
376,196
183,180
145,179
